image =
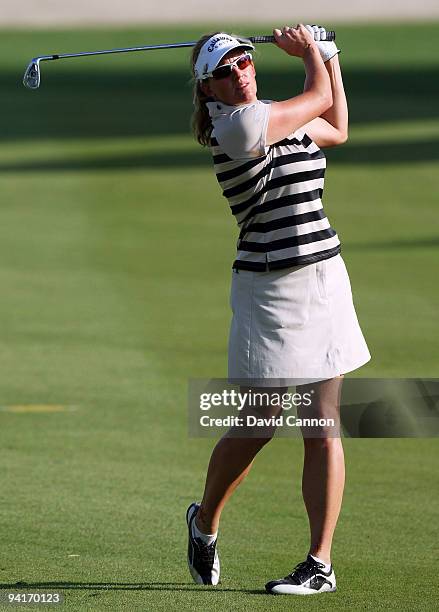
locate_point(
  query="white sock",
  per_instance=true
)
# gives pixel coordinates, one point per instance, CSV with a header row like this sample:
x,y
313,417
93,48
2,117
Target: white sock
x,y
327,565
205,537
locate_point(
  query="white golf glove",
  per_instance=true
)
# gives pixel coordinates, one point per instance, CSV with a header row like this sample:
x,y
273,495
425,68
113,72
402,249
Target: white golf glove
x,y
327,48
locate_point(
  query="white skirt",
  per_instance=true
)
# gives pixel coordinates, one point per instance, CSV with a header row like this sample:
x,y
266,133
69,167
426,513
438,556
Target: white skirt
x,y
294,325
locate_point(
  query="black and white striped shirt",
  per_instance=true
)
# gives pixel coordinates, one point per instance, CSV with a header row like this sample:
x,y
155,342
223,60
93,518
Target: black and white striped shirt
x,y
274,191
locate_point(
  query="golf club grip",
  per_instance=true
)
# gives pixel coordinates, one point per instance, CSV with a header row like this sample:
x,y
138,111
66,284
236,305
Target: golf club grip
x,y
330,35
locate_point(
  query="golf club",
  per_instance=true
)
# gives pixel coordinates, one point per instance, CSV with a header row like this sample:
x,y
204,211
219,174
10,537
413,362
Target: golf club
x,y
32,76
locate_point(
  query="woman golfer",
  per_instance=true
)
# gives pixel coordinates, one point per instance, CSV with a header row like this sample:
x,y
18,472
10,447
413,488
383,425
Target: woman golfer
x,y
293,315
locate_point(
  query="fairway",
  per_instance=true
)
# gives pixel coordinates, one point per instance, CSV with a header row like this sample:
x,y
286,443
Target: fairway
x,y
116,247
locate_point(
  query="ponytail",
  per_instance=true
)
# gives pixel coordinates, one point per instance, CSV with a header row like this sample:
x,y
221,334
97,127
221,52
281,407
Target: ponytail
x,y
201,122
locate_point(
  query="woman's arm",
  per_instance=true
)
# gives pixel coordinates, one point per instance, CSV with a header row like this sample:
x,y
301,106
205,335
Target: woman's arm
x,y
289,115
331,128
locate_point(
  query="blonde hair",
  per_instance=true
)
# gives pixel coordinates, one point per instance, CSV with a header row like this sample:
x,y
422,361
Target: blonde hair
x,y
201,123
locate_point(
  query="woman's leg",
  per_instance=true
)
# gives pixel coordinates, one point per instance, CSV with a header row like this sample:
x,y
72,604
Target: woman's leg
x,y
231,461
323,468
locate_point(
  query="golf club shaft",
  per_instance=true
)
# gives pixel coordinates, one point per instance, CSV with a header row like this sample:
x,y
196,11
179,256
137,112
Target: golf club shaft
x,y
32,75
330,35
123,50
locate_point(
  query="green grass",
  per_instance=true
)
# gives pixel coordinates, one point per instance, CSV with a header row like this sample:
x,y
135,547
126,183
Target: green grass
x,y
116,248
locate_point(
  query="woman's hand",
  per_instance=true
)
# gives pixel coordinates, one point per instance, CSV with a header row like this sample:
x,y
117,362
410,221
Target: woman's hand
x,y
294,41
328,49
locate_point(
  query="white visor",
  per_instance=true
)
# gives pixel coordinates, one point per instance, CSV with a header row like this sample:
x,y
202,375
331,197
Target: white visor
x,y
213,51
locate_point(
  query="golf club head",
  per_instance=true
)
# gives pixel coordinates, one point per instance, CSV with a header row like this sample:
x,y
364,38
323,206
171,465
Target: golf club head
x,y
32,76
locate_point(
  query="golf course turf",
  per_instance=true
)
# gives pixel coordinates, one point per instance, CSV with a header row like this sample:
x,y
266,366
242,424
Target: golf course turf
x,y
115,250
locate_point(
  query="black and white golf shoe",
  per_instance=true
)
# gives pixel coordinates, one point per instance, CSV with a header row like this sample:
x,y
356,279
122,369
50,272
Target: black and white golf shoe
x,y
307,578
202,559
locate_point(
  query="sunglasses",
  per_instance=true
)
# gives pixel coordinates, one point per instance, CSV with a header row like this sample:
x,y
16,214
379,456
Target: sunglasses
x,y
226,70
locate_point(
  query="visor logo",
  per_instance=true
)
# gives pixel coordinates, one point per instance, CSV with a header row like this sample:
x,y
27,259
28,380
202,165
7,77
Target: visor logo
x,y
216,40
